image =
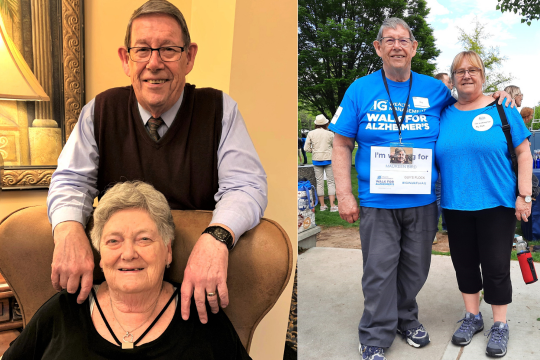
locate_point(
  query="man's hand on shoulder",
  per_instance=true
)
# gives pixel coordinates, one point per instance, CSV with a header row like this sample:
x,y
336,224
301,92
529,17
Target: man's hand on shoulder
x,y
206,273
73,261
502,95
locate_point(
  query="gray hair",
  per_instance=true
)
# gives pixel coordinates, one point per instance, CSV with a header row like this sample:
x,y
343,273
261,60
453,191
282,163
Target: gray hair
x,y
394,23
159,7
133,195
440,76
513,90
398,150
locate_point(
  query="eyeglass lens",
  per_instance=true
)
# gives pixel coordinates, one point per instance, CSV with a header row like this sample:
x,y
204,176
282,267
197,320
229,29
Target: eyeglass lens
x,y
140,54
391,41
472,72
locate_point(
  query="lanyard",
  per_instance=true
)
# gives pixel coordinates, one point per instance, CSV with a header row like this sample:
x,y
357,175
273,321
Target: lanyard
x,y
398,122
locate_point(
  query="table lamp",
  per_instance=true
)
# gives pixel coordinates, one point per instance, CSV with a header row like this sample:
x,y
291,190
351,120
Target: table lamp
x,y
17,80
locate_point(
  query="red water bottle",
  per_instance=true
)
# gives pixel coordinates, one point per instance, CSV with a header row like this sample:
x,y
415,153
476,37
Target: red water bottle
x,y
525,261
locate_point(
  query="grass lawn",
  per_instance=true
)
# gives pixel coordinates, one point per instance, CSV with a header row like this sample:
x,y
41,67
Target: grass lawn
x,y
328,219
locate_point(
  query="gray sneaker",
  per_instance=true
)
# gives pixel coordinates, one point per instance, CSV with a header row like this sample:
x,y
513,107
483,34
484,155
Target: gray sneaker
x,y
498,340
371,352
469,326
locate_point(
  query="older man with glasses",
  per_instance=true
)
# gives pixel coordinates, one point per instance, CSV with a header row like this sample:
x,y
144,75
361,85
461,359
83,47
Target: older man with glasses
x,y
393,107
190,144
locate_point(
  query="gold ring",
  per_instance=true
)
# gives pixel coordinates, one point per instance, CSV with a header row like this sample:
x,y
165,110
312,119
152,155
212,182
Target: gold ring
x,y
211,294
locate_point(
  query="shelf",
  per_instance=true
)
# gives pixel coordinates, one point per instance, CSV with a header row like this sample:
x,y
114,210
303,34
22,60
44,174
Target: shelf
x,y
8,325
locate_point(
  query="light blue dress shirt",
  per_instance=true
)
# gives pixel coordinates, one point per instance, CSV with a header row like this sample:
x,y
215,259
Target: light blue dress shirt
x,y
241,197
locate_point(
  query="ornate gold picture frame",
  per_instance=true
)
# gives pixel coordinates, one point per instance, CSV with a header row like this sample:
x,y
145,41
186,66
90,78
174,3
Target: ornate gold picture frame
x,y
63,20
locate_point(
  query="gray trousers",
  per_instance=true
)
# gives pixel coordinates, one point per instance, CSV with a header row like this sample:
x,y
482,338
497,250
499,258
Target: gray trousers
x,y
396,250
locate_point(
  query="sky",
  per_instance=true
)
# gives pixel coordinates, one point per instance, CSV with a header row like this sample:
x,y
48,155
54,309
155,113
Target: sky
x,y
516,41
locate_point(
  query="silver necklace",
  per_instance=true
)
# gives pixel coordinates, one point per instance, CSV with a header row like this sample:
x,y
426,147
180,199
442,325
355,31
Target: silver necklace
x,y
128,337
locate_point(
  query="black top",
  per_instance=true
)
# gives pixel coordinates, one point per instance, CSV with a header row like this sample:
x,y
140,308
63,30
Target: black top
x,y
63,329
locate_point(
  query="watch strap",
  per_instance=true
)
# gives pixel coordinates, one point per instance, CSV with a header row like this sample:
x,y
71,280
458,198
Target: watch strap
x,y
220,234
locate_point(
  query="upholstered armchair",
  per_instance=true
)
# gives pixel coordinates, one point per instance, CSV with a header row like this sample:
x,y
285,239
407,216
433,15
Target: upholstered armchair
x,y
259,266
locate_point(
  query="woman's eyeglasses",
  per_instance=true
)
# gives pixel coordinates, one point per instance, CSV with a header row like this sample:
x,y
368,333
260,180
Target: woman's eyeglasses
x,y
471,71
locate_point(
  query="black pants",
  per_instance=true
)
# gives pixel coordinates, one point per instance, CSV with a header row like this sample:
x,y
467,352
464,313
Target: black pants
x,y
482,238
301,147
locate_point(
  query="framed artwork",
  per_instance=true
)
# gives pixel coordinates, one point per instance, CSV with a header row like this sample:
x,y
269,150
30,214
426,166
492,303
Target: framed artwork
x,y
49,34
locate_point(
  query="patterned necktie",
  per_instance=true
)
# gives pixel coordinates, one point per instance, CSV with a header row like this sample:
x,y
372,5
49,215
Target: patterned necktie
x,y
153,125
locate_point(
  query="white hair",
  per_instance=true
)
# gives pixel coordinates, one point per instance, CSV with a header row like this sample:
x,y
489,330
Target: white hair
x,y
133,195
394,23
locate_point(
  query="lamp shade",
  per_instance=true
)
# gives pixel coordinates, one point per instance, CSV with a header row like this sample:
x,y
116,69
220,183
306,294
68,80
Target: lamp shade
x,y
17,82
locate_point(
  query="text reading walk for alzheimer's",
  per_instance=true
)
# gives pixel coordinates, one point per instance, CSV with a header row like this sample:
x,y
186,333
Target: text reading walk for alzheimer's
x,y
378,121
389,178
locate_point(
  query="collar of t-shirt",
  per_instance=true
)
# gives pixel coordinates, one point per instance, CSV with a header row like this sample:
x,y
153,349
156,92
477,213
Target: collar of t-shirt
x,y
168,116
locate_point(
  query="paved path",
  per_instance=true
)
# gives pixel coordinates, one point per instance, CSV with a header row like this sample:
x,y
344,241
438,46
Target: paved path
x,y
330,303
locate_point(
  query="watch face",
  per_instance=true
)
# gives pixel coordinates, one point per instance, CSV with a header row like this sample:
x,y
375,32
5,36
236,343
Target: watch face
x,y
528,199
221,233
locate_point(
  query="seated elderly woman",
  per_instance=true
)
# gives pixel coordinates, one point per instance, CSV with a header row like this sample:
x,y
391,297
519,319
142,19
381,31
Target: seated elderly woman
x,y
133,313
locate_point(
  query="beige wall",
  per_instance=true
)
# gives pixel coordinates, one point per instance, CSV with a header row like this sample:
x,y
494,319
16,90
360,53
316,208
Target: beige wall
x,y
248,49
15,199
264,83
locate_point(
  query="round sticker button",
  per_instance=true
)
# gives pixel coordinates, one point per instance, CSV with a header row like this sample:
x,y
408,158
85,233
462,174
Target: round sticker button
x,y
482,122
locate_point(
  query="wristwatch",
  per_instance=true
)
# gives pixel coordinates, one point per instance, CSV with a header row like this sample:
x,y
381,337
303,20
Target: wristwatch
x,y
220,234
527,198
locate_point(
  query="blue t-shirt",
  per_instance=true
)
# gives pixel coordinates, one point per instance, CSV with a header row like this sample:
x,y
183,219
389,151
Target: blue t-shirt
x,y
475,164
321,163
365,114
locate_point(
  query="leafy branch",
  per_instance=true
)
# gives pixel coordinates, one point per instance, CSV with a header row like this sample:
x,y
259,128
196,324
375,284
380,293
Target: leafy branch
x,y
490,55
528,9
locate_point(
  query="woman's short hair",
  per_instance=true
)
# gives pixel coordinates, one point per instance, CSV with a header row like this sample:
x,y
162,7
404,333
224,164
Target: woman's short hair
x,y
472,58
525,112
133,195
159,7
393,23
513,91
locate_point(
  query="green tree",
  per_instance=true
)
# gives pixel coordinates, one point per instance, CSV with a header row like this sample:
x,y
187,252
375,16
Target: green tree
x,y
335,45
495,79
528,9
305,120
536,126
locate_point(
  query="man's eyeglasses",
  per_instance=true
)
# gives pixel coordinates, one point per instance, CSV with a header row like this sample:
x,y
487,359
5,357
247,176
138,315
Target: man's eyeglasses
x,y
518,95
166,53
389,41
472,71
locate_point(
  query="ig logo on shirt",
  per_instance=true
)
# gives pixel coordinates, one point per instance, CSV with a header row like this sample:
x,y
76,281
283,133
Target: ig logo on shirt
x,y
379,105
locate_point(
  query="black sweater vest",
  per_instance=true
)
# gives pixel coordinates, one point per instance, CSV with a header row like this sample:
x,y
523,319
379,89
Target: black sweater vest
x,y
182,164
